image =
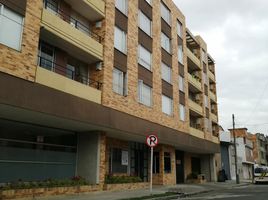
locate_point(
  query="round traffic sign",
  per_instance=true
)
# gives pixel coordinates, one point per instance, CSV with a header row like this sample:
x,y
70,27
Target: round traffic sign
x,y
152,140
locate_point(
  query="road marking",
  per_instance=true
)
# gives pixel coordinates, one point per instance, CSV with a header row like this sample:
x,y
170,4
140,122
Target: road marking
x,y
219,196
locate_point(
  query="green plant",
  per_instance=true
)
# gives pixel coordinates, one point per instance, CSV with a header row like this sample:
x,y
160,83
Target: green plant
x,y
110,179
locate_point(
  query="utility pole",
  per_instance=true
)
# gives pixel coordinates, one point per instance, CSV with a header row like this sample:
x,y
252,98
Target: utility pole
x,y
236,172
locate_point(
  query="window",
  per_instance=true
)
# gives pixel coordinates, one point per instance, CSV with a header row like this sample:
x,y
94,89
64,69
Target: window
x,y
11,30
204,55
145,57
70,71
145,94
167,105
122,6
181,83
119,82
145,23
149,1
180,54
165,13
46,56
52,6
120,40
165,42
206,101
116,161
156,162
167,162
166,73
182,112
179,29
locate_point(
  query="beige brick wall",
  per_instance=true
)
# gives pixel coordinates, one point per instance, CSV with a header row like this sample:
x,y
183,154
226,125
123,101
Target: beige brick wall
x,y
23,63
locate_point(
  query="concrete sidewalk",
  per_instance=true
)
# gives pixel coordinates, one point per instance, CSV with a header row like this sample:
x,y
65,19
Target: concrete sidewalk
x,y
183,189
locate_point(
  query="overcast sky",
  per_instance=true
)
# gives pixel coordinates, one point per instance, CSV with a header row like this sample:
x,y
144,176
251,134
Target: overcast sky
x,y
236,32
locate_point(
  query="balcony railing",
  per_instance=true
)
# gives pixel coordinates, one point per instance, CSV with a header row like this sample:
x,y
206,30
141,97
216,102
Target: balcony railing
x,y
68,73
72,21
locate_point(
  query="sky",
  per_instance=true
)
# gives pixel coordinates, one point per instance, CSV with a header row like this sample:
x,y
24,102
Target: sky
x,y
236,33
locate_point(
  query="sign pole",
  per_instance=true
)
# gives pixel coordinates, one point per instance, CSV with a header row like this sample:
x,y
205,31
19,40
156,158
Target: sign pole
x,y
151,176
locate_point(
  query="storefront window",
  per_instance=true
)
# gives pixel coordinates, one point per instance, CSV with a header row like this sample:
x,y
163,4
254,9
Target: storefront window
x,y
117,165
167,162
156,163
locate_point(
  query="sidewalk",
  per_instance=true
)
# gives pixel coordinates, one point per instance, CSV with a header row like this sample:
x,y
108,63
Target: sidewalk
x,y
183,189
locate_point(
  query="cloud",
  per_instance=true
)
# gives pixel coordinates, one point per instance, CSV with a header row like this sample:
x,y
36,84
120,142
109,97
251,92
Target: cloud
x,y
236,35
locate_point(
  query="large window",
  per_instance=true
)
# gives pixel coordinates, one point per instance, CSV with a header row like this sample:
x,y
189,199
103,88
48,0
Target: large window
x,y
116,161
165,13
145,23
181,83
167,105
119,82
46,56
206,101
52,6
145,94
156,163
165,42
180,54
166,73
145,57
182,112
122,5
120,40
179,29
167,162
11,29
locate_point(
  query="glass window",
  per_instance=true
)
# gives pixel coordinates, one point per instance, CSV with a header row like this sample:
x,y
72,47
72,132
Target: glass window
x,y
165,13
119,82
145,94
70,71
149,1
181,83
165,42
179,29
46,56
52,6
206,101
122,5
120,40
145,23
156,163
167,105
180,54
116,161
182,112
167,162
11,29
204,56
145,57
166,73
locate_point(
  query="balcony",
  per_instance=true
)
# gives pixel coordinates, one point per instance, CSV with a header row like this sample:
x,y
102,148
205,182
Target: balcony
x,y
213,117
93,10
195,107
71,35
196,132
195,82
61,78
211,76
212,96
193,58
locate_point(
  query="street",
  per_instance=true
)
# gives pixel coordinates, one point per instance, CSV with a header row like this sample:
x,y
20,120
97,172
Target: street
x,y
256,192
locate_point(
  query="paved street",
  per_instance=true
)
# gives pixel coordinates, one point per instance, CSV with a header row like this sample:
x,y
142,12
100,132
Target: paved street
x,y
256,192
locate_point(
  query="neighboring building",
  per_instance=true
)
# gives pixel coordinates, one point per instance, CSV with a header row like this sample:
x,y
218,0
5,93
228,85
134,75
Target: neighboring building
x,y
259,149
244,152
83,82
226,153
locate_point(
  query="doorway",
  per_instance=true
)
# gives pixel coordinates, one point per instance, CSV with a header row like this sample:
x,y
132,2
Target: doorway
x,y
179,166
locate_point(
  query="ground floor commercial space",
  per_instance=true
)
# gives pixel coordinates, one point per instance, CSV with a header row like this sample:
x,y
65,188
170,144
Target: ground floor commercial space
x,y
49,134
30,152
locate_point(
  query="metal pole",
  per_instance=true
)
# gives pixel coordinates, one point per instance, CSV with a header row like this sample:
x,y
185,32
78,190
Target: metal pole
x,y
236,172
151,177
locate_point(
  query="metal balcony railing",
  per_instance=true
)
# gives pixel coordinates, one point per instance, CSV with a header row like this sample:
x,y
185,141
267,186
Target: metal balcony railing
x,y
72,21
71,74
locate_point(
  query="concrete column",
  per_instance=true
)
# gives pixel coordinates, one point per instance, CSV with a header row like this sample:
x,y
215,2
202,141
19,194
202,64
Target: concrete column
x,y
213,171
88,156
205,167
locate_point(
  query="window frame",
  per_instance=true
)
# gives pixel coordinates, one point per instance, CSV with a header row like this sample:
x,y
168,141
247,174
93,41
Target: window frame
x,y
144,16
180,54
164,39
181,83
179,29
122,10
171,105
123,38
167,163
182,112
143,62
164,8
123,81
167,79
141,96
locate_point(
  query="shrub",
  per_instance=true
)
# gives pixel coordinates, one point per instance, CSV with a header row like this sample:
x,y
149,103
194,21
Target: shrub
x,y
110,179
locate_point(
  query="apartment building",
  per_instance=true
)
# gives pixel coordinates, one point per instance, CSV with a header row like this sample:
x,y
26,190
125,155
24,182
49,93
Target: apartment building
x,y
259,149
83,82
